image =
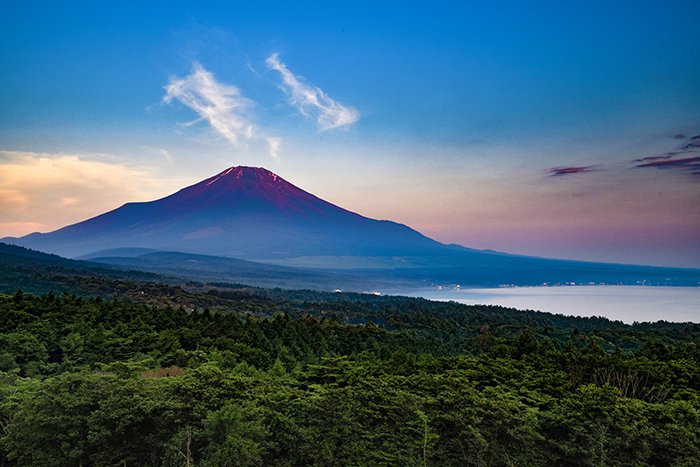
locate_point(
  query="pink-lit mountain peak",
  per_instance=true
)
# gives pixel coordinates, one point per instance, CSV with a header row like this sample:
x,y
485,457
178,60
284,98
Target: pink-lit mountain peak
x,y
244,174
244,188
244,178
246,212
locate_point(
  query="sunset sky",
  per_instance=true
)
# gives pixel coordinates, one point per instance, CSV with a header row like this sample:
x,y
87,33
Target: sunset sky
x,y
541,128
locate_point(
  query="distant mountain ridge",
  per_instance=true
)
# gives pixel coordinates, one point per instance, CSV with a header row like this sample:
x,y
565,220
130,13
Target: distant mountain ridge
x,y
252,214
243,212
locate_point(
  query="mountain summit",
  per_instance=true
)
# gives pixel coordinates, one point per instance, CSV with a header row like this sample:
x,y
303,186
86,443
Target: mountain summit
x,y
245,212
245,188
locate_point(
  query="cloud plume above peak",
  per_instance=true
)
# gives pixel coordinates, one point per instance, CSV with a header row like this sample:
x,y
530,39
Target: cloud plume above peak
x,y
221,105
311,100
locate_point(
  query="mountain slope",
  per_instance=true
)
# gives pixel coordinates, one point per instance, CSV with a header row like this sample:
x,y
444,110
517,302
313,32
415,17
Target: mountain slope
x,y
252,214
242,212
221,269
37,272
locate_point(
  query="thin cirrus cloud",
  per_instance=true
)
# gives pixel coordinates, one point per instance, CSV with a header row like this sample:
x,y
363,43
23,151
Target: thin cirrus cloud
x,y
691,164
162,152
311,100
221,105
685,157
571,170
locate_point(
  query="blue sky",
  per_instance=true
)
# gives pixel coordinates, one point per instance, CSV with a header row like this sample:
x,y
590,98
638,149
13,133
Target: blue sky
x,y
516,127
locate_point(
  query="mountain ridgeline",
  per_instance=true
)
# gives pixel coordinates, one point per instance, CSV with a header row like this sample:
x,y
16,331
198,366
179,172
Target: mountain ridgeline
x,y
242,212
252,214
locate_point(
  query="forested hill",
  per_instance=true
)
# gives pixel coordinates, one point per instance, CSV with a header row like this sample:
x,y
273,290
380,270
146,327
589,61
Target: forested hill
x,y
39,273
94,382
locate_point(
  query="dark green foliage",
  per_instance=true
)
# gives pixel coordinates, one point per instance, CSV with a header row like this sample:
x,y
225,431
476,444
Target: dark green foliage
x,y
255,377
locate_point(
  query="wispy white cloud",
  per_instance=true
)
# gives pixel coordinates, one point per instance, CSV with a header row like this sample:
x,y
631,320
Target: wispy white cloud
x,y
311,100
223,106
273,145
164,153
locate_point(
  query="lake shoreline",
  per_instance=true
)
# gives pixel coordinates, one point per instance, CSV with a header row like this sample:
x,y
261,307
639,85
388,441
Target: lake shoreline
x,y
626,303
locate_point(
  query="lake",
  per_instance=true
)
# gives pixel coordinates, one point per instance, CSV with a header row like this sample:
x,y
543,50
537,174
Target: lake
x,y
624,303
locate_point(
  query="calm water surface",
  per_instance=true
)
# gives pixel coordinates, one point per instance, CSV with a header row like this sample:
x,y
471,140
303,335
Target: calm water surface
x,y
624,303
